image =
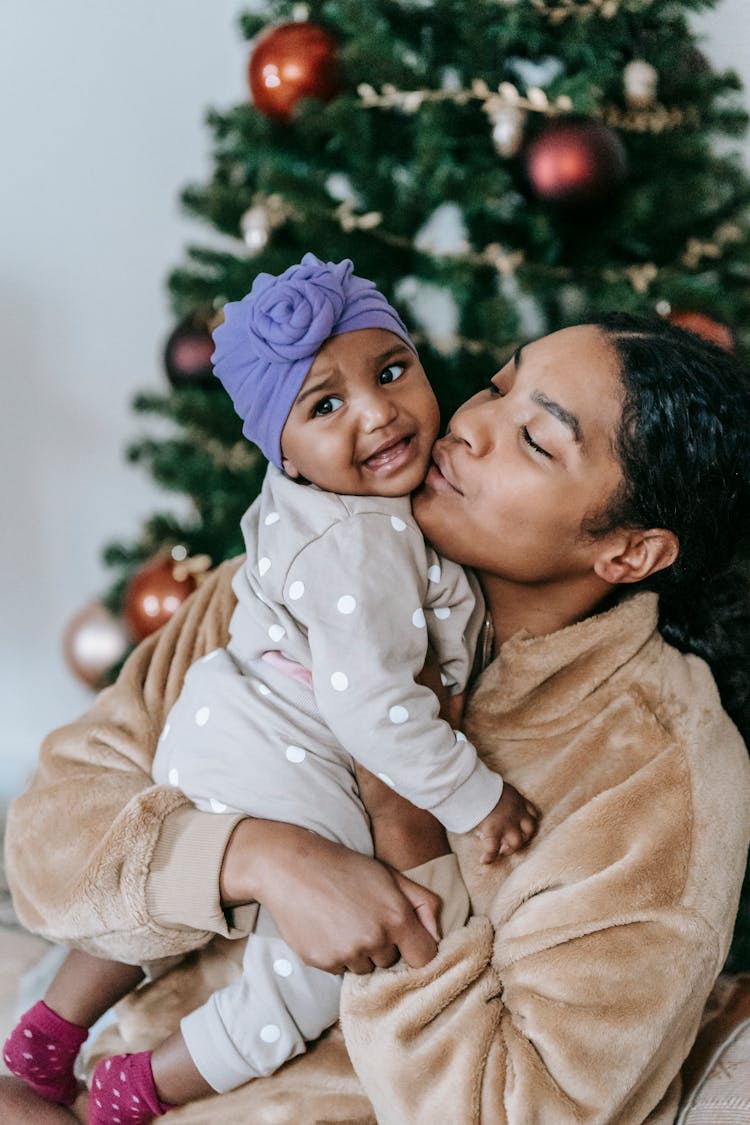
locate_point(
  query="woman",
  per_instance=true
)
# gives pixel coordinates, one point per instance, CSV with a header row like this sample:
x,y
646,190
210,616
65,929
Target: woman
x,y
604,460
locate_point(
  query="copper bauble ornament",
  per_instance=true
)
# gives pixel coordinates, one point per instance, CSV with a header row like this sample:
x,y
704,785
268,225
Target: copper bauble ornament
x,y
290,62
154,594
576,160
94,641
704,326
188,351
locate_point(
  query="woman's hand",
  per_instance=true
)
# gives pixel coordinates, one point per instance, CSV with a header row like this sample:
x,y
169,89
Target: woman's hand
x,y
337,909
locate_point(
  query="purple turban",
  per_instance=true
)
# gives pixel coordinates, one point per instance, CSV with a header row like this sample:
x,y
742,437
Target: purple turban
x,y
269,339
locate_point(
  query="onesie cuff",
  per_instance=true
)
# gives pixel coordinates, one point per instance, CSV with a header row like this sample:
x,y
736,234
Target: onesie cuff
x,y
182,886
471,802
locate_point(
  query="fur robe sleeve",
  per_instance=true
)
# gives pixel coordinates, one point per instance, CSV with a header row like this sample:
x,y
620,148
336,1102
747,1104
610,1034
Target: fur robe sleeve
x,y
123,849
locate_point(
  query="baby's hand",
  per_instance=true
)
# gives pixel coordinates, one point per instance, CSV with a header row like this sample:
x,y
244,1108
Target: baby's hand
x,y
509,826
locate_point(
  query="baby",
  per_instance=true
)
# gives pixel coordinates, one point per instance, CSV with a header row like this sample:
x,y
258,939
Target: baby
x,y
337,601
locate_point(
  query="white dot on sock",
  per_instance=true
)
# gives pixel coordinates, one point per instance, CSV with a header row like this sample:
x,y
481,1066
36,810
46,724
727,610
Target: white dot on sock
x,y
26,1055
28,1034
123,1076
282,967
270,1033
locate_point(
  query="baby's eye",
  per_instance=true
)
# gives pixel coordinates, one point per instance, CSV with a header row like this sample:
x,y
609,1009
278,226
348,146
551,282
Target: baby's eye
x,y
392,372
327,405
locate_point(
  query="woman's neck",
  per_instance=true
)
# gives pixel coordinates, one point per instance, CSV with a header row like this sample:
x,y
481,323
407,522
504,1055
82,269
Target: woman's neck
x,y
539,610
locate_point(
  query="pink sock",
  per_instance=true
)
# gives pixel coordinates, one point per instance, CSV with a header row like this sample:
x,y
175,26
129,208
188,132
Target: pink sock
x,y
123,1091
41,1051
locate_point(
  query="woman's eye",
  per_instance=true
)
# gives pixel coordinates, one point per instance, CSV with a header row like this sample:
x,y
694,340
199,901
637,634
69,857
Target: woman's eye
x,y
327,405
533,445
392,372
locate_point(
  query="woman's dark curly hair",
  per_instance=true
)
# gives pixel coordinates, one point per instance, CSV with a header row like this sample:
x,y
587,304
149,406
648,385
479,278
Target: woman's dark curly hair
x,y
684,448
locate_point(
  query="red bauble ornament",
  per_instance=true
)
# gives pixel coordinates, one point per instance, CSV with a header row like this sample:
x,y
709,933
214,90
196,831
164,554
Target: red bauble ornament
x,y
187,354
575,161
703,326
94,641
290,62
153,596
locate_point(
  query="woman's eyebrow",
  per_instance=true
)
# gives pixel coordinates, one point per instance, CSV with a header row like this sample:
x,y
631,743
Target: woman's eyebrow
x,y
559,412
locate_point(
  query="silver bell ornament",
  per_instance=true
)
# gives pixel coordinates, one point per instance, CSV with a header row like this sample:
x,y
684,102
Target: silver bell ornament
x,y
255,225
640,80
508,125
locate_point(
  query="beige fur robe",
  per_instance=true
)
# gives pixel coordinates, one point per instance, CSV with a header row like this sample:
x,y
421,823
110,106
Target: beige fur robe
x,y
574,993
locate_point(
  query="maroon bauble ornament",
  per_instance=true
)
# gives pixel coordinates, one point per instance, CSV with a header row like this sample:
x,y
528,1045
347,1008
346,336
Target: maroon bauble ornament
x,y
575,161
153,595
290,62
94,641
187,354
704,326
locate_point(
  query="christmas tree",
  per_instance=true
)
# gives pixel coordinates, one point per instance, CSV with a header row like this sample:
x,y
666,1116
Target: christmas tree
x,y
498,167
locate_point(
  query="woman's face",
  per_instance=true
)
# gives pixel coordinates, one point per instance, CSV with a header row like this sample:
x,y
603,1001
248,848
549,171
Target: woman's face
x,y
527,460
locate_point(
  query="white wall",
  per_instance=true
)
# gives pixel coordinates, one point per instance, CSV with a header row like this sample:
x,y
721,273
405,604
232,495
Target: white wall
x,y
101,124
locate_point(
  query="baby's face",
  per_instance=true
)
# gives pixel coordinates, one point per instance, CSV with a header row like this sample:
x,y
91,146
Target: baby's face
x,y
365,418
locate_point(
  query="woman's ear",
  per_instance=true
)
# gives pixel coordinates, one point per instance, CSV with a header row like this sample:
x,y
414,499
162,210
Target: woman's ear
x,y
635,555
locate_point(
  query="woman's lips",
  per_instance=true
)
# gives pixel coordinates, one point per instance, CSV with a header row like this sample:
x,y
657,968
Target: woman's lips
x,y
393,457
436,477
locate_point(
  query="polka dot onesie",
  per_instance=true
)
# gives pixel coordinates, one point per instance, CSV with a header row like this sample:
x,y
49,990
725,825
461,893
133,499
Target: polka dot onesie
x,y
347,588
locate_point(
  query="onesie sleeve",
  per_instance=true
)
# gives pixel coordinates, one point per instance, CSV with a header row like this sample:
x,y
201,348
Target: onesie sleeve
x,y
454,620
359,591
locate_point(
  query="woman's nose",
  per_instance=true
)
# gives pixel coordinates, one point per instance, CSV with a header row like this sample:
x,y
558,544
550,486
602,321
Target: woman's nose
x,y
472,425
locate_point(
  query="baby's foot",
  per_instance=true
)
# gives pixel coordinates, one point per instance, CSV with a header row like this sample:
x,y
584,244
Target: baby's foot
x,y
42,1050
123,1091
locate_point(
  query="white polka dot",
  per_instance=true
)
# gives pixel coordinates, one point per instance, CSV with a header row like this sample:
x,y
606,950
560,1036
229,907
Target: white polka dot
x,y
26,1055
151,605
387,780
434,573
174,776
165,732
51,1047
339,681
97,1100
210,655
398,714
136,1099
264,565
442,612
270,1033
282,967
295,754
28,1034
397,524
202,715
217,806
296,590
460,736
272,517
346,604
123,1076
276,632
98,1083
417,618
107,1066
117,1094
444,680
262,688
